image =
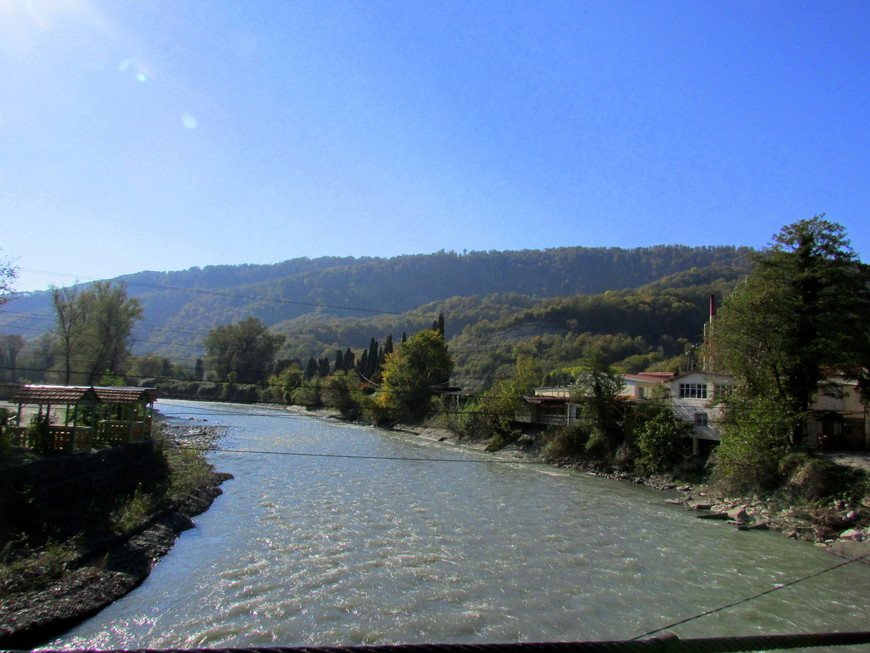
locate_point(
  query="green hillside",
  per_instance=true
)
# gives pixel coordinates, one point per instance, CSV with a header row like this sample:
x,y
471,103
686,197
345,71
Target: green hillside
x,y
502,297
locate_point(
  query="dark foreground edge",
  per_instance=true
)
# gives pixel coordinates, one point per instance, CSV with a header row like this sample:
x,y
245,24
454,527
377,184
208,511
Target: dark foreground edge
x,y
664,644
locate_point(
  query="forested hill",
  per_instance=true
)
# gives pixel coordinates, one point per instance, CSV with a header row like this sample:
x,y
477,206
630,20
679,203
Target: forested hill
x,y
180,307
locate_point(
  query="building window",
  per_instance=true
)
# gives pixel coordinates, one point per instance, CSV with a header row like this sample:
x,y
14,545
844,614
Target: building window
x,y
693,390
701,419
721,392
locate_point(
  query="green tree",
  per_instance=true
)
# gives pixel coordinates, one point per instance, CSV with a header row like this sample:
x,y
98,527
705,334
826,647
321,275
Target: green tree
x,y
661,441
7,277
341,391
493,414
755,439
307,394
93,330
311,369
109,319
69,323
151,366
10,347
244,352
801,313
438,325
412,372
597,391
285,382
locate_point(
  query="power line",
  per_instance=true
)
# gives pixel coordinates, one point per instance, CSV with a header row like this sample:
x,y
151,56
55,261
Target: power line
x,y
476,397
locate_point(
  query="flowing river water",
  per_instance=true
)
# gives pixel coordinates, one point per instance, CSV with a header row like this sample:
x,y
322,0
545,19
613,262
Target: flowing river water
x,y
381,538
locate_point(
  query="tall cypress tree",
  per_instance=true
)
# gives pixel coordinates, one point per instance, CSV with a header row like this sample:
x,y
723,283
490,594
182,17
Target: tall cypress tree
x,y
372,368
311,369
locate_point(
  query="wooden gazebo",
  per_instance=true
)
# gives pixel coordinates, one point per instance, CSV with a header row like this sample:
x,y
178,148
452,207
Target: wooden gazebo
x,y
92,416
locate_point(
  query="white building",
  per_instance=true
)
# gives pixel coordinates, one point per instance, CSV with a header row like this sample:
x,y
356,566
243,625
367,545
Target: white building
x,y
696,397
840,420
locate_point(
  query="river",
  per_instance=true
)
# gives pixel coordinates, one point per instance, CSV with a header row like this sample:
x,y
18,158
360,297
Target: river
x,y
376,537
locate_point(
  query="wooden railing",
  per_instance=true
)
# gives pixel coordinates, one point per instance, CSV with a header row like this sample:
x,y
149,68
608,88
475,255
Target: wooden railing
x,y
121,432
68,439
76,439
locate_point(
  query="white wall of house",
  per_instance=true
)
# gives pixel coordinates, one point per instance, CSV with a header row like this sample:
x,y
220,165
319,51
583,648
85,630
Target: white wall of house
x,y
696,398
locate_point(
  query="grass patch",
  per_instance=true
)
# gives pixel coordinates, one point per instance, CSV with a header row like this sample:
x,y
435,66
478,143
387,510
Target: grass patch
x,y
49,564
189,471
133,511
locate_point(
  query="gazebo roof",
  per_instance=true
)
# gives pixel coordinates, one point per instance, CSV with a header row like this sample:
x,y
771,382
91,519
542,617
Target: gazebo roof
x,y
128,395
70,395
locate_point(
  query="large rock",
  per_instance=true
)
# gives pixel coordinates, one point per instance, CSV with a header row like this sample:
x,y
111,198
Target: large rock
x,y
738,515
853,534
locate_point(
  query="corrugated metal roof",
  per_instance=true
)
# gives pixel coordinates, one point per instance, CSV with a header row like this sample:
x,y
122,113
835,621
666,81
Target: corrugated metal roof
x,y
69,395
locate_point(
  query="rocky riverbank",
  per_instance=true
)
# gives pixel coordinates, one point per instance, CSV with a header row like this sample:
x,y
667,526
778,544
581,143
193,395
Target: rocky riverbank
x,y
842,528
41,603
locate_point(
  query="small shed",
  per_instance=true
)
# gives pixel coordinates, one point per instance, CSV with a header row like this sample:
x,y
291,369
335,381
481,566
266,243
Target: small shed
x,y
92,416
546,409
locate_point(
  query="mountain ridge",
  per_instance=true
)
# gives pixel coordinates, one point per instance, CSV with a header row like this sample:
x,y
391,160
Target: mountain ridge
x,y
181,306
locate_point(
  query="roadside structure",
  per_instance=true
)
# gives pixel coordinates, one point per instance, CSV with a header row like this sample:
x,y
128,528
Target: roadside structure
x,y
549,406
74,419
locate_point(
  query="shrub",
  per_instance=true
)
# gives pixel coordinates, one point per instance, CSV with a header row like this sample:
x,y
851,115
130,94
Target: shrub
x,y
341,391
307,394
189,471
661,442
133,510
565,441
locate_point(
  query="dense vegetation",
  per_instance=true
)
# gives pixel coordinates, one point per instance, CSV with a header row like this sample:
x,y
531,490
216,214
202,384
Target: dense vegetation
x,y
308,333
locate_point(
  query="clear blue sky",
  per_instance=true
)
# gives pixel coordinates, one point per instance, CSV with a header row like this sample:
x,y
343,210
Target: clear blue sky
x,y
165,134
